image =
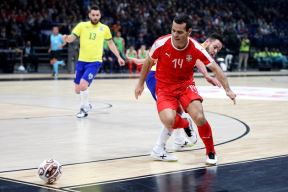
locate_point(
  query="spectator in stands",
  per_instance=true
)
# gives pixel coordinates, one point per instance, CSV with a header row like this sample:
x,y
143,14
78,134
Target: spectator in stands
x,y
3,38
244,52
278,58
263,58
131,53
142,54
265,26
29,57
3,34
120,44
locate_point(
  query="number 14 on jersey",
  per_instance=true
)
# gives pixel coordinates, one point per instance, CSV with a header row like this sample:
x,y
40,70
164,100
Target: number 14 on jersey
x,y
177,63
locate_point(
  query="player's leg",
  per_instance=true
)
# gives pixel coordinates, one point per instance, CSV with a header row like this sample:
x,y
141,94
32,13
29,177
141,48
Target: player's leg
x,y
192,102
195,110
241,58
181,141
79,88
246,55
159,152
52,62
167,105
151,83
56,68
90,71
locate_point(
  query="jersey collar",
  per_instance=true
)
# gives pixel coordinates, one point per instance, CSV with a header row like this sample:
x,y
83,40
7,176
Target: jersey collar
x,y
177,48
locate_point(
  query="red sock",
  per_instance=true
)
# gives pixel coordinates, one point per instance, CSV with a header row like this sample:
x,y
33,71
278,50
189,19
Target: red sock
x,y
180,122
205,133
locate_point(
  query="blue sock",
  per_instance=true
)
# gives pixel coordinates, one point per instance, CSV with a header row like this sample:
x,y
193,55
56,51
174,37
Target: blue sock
x,y
55,67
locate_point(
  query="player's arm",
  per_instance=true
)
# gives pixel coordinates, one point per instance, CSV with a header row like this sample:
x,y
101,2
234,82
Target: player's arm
x,y
76,33
115,51
50,45
148,63
202,69
63,42
69,38
219,74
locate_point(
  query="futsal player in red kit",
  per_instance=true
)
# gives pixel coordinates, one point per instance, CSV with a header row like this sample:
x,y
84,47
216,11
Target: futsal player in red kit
x,y
176,55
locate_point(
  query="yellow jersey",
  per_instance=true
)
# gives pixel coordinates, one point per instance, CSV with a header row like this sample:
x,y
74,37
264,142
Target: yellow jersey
x,y
91,40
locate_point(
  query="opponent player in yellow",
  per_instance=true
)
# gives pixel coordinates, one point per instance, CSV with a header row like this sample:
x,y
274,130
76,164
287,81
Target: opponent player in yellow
x,y
92,35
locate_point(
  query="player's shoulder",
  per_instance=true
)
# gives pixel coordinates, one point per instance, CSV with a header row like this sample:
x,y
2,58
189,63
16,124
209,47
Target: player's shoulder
x,y
201,49
196,44
161,41
164,38
104,26
82,24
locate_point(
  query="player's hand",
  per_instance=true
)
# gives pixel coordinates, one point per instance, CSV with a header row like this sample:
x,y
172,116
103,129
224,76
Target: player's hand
x,y
65,38
231,95
49,50
121,61
138,90
213,81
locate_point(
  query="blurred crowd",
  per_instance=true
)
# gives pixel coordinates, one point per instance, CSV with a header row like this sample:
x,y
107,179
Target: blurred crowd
x,y
141,22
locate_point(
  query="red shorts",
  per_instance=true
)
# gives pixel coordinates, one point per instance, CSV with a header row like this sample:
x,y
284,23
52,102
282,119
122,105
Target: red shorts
x,y
171,99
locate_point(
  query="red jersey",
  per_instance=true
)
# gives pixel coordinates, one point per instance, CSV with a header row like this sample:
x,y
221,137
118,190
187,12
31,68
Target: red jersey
x,y
175,66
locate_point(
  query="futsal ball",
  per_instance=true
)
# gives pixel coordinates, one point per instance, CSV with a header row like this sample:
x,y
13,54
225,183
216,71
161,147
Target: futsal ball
x,y
50,171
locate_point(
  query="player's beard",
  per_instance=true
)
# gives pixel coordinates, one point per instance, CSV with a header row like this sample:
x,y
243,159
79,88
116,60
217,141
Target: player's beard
x,y
94,22
209,52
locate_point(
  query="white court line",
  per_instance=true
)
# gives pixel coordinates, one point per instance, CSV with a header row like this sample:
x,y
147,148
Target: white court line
x,y
245,93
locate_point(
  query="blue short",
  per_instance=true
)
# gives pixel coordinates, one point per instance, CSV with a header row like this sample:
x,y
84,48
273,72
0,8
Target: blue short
x,y
151,83
86,71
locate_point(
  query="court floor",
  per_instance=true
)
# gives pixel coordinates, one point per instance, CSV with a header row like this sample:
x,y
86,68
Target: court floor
x,y
109,150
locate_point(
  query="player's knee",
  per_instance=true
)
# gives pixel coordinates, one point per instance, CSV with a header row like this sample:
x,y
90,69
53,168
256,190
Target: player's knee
x,y
83,86
199,119
77,89
168,121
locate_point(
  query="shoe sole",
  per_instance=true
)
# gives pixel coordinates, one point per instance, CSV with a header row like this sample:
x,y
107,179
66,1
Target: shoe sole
x,y
186,147
211,164
82,117
156,158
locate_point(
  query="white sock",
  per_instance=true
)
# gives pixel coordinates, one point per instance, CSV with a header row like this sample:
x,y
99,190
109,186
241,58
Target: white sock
x,y
185,115
84,98
162,139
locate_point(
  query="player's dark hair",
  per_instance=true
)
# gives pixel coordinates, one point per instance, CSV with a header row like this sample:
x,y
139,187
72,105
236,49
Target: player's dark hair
x,y
94,7
183,18
216,36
